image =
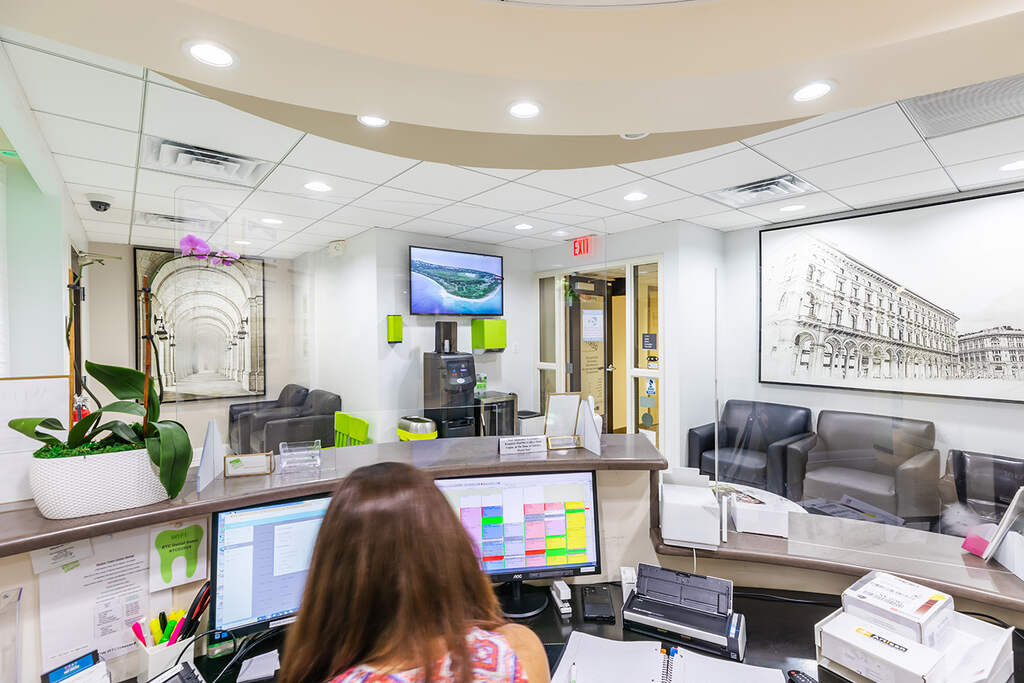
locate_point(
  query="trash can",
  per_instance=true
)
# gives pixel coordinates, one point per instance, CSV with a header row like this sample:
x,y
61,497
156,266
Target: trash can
x,y
530,423
416,428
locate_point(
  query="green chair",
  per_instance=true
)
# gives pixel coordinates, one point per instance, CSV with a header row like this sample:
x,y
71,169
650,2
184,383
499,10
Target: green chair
x,y
350,430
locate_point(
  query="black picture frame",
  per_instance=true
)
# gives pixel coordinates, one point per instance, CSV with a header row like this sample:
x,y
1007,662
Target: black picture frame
x,y
500,258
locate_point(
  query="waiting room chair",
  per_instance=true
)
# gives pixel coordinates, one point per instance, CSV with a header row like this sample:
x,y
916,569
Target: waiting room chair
x,y
983,483
288,402
350,430
314,420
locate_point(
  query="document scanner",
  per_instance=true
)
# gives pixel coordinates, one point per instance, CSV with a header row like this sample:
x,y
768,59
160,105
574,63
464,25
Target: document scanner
x,y
688,609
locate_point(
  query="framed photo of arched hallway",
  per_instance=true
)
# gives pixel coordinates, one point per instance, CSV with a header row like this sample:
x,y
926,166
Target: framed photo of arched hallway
x,y
926,300
206,320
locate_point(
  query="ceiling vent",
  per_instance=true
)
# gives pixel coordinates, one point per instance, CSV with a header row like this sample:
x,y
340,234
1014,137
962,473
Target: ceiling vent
x,y
178,157
180,223
761,191
951,111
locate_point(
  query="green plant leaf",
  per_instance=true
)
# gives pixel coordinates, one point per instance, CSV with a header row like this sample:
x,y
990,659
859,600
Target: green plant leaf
x,y
119,429
175,454
29,426
126,384
126,407
79,432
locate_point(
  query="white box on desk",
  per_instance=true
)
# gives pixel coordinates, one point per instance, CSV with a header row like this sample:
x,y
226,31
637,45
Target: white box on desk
x,y
690,517
903,607
767,518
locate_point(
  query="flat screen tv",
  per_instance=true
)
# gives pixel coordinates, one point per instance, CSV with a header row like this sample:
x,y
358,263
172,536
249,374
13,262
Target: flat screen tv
x,y
443,282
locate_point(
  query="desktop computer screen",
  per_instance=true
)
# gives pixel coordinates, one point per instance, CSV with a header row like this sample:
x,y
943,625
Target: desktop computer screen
x,y
260,561
529,526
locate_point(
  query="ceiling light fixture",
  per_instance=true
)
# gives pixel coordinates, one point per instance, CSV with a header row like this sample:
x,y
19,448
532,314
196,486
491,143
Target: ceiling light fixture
x,y
524,109
635,196
633,136
813,91
271,221
317,186
210,54
524,226
372,121
1013,166
559,233
244,243
789,208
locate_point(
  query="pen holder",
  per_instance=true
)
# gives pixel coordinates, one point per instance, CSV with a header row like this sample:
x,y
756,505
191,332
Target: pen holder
x,y
159,658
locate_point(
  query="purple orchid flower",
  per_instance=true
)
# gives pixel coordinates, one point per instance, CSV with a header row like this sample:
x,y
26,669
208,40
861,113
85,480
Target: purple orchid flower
x,y
194,246
224,258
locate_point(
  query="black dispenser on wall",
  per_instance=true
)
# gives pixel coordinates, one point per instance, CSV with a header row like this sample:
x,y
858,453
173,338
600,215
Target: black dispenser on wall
x,y
449,381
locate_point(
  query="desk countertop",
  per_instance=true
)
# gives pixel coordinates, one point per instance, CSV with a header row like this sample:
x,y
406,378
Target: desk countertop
x,y
22,528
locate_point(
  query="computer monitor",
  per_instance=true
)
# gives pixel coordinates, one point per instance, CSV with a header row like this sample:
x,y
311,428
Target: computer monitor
x,y
259,563
529,526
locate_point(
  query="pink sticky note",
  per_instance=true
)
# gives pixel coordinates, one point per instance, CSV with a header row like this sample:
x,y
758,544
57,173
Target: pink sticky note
x,y
975,544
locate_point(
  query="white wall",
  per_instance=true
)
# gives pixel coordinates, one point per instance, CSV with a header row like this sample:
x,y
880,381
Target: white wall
x,y
959,423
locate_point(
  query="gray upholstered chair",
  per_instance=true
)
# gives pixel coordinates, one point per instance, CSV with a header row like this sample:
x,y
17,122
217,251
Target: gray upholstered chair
x,y
985,484
752,440
888,462
314,420
239,430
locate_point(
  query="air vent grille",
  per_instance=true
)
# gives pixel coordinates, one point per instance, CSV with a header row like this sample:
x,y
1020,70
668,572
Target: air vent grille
x,y
179,157
951,111
171,222
761,191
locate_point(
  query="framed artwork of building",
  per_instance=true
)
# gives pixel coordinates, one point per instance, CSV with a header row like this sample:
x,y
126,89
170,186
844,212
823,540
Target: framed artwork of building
x,y
926,300
207,322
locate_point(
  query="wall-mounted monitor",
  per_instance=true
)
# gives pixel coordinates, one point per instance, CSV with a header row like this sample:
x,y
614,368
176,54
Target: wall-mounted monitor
x,y
443,282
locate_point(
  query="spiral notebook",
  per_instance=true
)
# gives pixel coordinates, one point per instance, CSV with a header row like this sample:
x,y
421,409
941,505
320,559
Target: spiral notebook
x,y
599,660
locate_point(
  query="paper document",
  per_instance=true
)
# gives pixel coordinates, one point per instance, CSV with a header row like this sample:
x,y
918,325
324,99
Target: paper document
x,y
696,668
599,660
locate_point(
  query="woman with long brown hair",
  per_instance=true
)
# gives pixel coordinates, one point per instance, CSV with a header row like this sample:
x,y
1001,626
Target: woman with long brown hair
x,y
395,593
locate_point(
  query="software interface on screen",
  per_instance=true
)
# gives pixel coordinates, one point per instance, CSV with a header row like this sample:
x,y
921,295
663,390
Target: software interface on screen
x,y
528,522
263,556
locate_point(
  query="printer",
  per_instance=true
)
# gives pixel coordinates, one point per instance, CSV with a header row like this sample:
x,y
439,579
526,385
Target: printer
x,y
688,609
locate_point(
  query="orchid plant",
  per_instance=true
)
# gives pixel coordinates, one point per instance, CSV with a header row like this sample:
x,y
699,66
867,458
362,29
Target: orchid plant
x,y
198,248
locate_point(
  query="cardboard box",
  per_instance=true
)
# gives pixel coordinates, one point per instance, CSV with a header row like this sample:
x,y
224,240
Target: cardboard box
x,y
868,650
903,607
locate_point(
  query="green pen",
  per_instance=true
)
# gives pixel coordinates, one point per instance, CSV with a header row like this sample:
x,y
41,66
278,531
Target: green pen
x,y
168,631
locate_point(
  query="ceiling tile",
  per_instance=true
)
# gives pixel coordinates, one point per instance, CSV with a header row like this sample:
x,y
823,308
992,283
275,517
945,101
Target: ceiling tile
x,y
682,208
529,243
735,168
866,168
60,86
107,237
13,35
327,156
122,198
400,201
181,207
653,167
279,221
727,220
979,143
366,217
575,211
200,121
816,204
540,225
159,237
910,186
182,188
286,252
111,215
154,77
467,214
229,236
812,122
657,193
506,173
290,180
334,230
565,233
483,235
307,239
516,198
442,180
251,232
986,172
617,223
91,226
426,226
871,131
287,204
97,173
89,140
576,182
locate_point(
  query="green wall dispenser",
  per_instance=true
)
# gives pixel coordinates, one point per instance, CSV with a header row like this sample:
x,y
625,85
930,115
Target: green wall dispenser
x,y
488,335
394,329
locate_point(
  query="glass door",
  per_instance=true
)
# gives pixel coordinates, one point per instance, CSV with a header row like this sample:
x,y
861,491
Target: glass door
x,y
588,326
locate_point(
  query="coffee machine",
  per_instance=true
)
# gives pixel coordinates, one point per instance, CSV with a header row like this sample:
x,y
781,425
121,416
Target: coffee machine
x,y
449,381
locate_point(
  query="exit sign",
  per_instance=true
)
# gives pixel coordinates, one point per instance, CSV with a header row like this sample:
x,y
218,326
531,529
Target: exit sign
x,y
587,246
581,246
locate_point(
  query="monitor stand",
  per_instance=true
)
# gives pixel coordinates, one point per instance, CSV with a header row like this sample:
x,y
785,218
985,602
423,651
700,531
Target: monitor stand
x,y
519,601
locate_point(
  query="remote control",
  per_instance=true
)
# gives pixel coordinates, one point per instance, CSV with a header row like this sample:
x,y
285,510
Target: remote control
x,y
799,677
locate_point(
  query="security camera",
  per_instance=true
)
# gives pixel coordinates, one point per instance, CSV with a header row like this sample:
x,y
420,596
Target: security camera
x,y
99,202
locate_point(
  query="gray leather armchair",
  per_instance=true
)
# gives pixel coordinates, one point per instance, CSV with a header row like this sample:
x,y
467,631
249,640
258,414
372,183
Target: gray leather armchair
x,y
752,440
889,462
984,483
239,422
313,420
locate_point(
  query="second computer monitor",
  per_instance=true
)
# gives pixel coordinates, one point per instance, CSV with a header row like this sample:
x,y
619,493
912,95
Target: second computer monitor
x,y
530,526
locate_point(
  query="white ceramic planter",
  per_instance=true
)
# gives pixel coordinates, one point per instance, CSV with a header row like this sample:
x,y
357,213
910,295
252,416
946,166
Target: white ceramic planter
x,y
94,484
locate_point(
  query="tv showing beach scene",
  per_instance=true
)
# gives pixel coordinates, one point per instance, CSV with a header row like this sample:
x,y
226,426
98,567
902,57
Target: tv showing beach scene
x,y
454,283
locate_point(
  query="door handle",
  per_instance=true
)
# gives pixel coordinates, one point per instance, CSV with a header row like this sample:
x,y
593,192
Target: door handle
x,y
610,368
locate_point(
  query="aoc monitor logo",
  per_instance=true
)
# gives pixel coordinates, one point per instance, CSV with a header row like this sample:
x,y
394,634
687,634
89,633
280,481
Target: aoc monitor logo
x,y
884,641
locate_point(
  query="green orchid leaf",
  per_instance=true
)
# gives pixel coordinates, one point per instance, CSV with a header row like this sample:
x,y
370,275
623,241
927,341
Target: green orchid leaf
x,y
119,429
126,384
78,434
29,426
175,454
126,407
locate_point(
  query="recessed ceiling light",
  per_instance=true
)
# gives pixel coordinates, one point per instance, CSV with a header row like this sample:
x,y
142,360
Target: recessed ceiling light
x,y
1013,166
271,221
244,243
210,54
789,208
633,136
559,233
524,226
524,109
635,196
372,121
317,186
813,91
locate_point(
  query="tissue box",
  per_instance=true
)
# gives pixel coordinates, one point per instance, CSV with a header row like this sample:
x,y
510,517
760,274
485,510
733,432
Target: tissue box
x,y
690,516
903,607
856,645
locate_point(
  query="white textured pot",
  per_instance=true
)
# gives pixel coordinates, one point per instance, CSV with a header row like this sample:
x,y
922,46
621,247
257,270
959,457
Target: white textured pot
x,y
94,484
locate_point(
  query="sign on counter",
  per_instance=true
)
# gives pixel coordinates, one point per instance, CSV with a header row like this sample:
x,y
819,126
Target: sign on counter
x,y
513,445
